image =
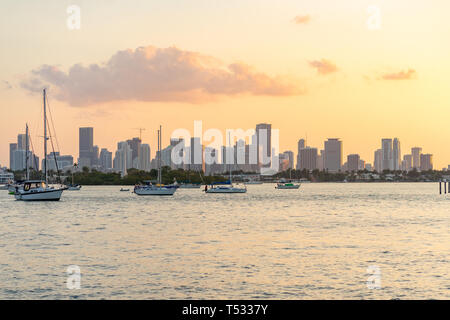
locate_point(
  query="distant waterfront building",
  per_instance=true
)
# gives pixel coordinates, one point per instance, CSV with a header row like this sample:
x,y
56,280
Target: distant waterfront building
x,y
105,159
12,148
123,159
6,177
320,156
196,155
396,154
21,141
300,145
368,167
264,144
407,163
388,161
362,164
426,162
86,157
135,145
308,158
289,155
378,160
63,163
416,152
353,162
144,157
333,155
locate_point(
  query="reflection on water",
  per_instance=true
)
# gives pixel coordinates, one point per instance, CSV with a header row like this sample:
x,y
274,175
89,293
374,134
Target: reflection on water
x,y
316,242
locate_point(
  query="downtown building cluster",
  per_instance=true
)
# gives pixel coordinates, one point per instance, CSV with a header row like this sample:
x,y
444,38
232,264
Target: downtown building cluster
x,y
133,154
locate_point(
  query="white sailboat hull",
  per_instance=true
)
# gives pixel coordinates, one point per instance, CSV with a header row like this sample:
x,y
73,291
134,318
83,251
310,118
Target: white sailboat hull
x,y
226,190
288,187
46,195
155,191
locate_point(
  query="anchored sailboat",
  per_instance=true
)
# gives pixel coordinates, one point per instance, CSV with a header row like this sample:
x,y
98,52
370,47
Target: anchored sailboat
x,y
39,190
156,190
216,188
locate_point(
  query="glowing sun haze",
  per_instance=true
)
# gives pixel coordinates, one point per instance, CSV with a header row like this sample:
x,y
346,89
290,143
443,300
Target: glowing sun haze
x,y
310,68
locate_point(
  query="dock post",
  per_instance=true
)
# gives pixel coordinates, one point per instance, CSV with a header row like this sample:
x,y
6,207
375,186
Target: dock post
x,y
440,187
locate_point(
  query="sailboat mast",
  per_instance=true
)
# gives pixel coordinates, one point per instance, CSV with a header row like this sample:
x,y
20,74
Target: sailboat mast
x,y
229,165
45,137
27,147
159,158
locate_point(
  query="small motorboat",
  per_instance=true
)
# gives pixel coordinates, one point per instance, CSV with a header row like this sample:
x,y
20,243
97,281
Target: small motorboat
x,y
124,190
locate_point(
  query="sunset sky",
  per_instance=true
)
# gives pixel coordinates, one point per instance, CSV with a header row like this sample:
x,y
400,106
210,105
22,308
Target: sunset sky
x,y
311,68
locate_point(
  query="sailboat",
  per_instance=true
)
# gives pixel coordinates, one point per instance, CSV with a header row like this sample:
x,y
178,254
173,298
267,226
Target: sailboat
x,y
73,186
287,184
156,190
218,188
39,190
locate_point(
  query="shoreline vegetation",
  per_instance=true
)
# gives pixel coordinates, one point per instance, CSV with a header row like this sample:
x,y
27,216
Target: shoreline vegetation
x,y
94,177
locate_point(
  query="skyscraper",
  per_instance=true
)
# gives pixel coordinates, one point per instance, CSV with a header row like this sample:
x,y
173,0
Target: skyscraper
x,y
105,159
407,162
123,158
378,160
12,148
415,152
86,147
144,157
21,141
396,154
333,155
264,143
300,145
353,162
308,158
386,147
135,145
426,162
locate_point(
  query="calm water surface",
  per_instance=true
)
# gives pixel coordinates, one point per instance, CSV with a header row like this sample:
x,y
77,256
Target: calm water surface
x,y
312,243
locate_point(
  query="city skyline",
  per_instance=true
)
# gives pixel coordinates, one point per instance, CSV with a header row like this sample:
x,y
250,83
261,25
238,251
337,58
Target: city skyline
x,y
133,153
359,85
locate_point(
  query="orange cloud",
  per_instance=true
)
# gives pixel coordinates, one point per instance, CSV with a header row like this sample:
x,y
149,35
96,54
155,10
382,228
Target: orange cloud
x,y
157,74
304,19
401,75
323,66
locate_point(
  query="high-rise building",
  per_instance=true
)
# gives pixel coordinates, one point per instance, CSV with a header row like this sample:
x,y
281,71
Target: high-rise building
x,y
12,148
353,162
144,157
386,147
264,143
196,155
368,167
308,158
300,145
396,154
378,160
105,159
333,155
415,152
123,159
289,155
62,163
135,145
21,141
426,162
86,157
407,163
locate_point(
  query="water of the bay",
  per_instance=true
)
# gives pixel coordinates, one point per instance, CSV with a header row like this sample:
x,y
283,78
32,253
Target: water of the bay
x,y
313,243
